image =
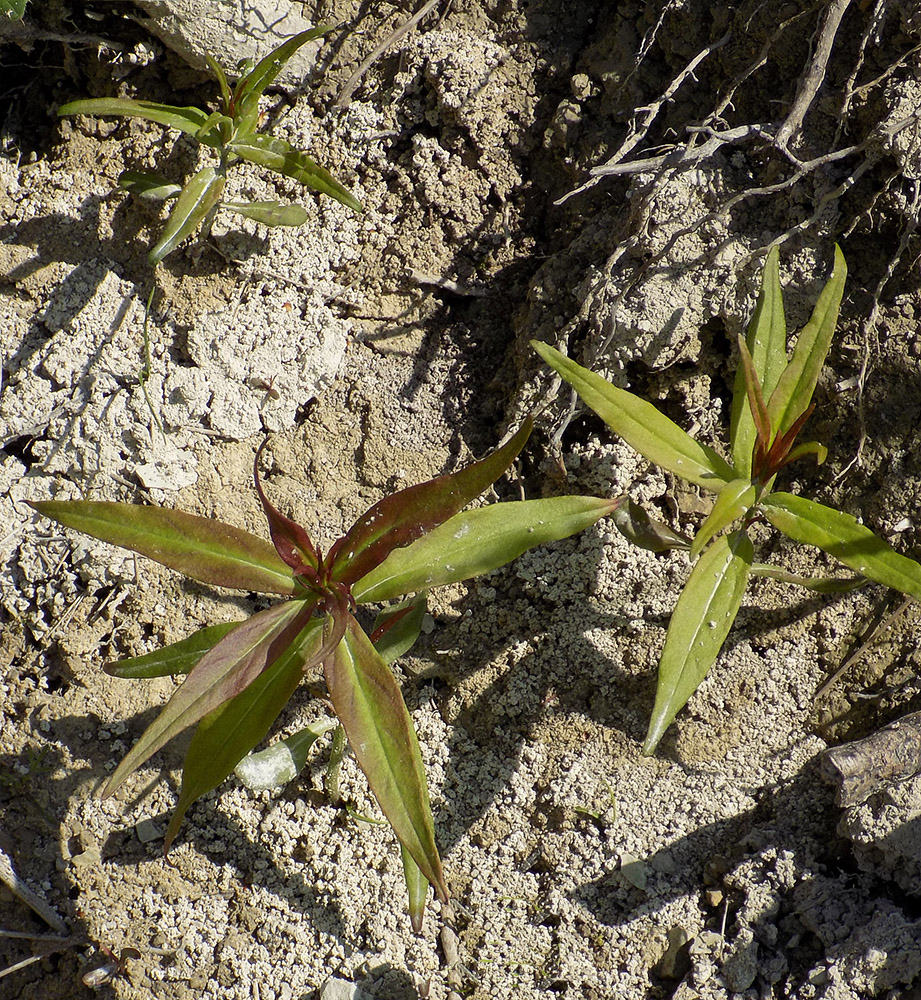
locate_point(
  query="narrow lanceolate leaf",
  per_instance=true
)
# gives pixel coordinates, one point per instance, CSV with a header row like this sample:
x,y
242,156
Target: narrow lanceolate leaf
x,y
417,888
282,157
819,584
756,406
283,761
226,734
476,542
767,343
793,393
269,213
184,119
641,425
732,501
221,78
698,628
842,536
292,543
177,658
405,516
205,550
198,197
253,84
155,187
221,674
367,699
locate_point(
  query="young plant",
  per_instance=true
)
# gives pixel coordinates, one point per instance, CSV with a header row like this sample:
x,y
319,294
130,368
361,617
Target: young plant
x,y
241,675
772,399
232,132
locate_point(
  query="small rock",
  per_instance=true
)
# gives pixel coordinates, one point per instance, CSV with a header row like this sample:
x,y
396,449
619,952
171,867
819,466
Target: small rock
x,y
340,989
147,831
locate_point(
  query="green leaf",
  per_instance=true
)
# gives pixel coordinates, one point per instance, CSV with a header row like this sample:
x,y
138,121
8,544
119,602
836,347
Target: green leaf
x,y
417,888
408,514
177,658
155,187
283,761
732,501
367,699
477,542
397,627
641,425
209,551
225,735
807,448
199,196
842,536
767,343
819,584
253,84
220,675
705,611
184,119
282,157
793,393
13,8
218,70
270,213
646,532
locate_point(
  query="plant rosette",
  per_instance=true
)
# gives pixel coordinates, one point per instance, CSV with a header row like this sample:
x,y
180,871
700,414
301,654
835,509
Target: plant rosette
x,y
772,400
240,675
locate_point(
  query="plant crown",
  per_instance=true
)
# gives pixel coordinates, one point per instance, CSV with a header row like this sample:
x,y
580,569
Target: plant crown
x,y
772,399
232,132
241,674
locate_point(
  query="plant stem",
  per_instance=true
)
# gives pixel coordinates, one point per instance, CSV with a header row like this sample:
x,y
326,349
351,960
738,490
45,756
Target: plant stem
x,y
336,753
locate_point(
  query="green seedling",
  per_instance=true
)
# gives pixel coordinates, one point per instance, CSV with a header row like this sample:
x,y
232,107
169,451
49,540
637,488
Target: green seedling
x,y
232,132
772,399
241,675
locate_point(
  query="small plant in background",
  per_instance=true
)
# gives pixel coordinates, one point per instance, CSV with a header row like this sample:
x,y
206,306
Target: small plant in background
x,y
241,674
772,399
233,133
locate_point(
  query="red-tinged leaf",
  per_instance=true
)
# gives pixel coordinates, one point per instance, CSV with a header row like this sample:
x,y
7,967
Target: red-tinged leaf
x,y
221,674
417,888
201,548
756,404
367,699
794,389
766,340
177,658
228,733
291,541
399,519
476,542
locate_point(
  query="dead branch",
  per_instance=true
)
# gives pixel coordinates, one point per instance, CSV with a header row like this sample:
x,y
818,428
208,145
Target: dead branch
x,y
889,755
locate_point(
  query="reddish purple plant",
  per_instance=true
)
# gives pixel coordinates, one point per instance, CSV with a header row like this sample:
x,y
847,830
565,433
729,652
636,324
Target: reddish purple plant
x,y
241,675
